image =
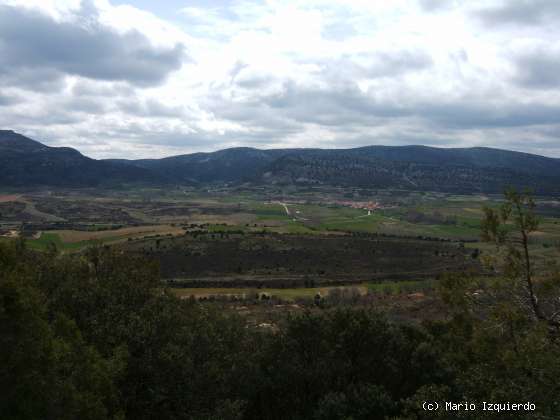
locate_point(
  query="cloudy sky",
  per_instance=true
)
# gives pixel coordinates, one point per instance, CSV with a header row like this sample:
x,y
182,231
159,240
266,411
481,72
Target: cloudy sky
x,y
144,78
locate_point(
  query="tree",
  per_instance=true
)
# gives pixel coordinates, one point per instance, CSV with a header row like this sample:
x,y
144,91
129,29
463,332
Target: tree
x,y
502,338
510,227
47,370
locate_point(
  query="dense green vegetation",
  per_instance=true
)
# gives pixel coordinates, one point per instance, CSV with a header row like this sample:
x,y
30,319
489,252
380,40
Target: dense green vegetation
x,y
262,259
49,240
116,349
95,336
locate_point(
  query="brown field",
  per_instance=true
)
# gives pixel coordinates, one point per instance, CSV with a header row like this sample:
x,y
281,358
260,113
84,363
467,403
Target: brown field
x,y
231,219
73,236
9,198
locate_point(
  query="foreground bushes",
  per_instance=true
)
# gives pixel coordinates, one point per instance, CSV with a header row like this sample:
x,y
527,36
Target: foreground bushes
x,y
95,337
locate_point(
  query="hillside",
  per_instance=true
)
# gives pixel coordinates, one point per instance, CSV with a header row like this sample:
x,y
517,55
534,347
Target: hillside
x,y
25,162
406,167
419,168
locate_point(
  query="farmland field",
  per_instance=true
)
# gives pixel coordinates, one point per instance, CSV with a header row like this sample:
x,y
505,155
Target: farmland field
x,y
293,294
277,260
279,239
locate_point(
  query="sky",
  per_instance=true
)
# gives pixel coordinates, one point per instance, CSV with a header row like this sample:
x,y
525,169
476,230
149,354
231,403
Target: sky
x,y
148,79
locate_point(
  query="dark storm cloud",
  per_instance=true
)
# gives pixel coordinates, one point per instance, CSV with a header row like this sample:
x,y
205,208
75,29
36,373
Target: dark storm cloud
x,y
538,69
521,12
32,42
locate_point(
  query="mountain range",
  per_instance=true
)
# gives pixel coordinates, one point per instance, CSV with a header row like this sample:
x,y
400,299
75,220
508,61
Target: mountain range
x,y
27,163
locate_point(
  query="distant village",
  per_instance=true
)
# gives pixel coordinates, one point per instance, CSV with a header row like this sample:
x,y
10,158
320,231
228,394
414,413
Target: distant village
x,y
365,205
370,206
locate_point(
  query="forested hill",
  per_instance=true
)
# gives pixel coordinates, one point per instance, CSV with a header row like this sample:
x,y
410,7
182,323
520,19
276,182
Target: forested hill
x,y
28,163
468,170
407,167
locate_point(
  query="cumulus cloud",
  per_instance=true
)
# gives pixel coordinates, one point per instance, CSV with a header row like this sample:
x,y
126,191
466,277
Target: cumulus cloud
x,y
347,105
6,100
539,69
381,64
34,43
520,12
114,79
149,108
434,5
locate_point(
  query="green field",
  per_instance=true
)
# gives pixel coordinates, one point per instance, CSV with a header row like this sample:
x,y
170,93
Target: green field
x,y
404,286
312,211
48,239
291,294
